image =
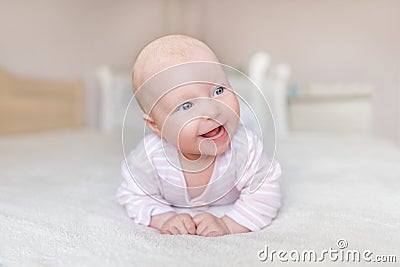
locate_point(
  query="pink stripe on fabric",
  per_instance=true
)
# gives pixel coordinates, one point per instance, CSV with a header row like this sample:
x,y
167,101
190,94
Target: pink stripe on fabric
x,y
263,209
236,216
246,214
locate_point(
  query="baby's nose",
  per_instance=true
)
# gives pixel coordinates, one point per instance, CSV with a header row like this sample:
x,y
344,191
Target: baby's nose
x,y
211,109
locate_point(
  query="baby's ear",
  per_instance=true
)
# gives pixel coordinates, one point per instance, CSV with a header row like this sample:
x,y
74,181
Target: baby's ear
x,y
152,124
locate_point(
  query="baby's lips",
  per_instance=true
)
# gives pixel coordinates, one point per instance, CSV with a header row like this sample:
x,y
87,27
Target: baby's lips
x,y
212,133
210,125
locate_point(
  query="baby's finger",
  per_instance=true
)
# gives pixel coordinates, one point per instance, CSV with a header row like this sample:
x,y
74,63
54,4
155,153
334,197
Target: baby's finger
x,y
213,234
174,230
198,218
165,231
181,228
202,229
190,226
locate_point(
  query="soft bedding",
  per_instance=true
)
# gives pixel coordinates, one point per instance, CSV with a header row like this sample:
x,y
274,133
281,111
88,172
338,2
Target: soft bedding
x,y
58,205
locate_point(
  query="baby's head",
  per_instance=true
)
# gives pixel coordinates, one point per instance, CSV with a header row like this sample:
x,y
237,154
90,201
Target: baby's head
x,y
185,95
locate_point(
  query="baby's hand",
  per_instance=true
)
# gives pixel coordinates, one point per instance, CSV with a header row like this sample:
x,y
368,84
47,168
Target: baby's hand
x,y
179,224
209,225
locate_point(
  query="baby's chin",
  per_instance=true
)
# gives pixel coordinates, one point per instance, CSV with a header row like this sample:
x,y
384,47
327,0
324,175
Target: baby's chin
x,y
213,150
197,155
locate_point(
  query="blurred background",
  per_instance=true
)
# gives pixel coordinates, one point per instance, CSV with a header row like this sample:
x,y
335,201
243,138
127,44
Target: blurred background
x,y
329,68
343,56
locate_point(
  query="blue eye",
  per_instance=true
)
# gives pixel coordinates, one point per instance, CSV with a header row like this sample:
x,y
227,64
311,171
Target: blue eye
x,y
218,91
185,106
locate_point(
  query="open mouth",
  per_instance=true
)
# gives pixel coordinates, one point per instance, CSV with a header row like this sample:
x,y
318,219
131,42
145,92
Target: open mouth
x,y
214,132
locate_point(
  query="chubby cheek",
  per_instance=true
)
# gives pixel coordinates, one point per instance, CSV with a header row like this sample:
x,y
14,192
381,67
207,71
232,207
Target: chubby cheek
x,y
232,113
234,104
182,134
188,137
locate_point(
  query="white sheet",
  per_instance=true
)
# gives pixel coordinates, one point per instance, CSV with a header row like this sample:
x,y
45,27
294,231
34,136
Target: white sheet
x,y
57,204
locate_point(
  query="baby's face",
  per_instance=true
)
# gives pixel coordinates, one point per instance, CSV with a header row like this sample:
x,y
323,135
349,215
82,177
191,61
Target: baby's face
x,y
198,118
190,103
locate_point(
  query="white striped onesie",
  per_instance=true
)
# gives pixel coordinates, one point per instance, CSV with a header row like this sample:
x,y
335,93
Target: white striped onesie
x,y
159,185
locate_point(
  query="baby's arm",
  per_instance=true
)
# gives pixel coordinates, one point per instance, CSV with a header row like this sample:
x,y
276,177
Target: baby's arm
x,y
255,210
147,211
139,205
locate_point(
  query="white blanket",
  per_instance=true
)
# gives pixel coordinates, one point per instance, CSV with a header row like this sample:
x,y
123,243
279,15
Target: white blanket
x,y
58,206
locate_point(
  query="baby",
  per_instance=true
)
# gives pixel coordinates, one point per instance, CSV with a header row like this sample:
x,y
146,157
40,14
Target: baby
x,y
198,154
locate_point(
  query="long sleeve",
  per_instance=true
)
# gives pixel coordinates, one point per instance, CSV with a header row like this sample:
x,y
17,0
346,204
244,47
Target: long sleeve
x,y
139,192
255,209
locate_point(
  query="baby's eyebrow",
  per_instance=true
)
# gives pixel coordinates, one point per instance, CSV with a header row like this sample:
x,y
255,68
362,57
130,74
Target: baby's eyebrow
x,y
187,93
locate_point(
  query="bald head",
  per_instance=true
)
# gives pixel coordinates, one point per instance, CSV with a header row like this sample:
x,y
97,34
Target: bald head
x,y
168,51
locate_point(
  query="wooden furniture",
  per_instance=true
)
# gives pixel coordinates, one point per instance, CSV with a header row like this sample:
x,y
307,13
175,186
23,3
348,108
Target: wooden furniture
x,y
32,105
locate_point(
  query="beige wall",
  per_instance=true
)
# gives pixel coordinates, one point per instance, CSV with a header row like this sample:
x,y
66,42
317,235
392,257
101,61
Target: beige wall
x,y
69,39
324,41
